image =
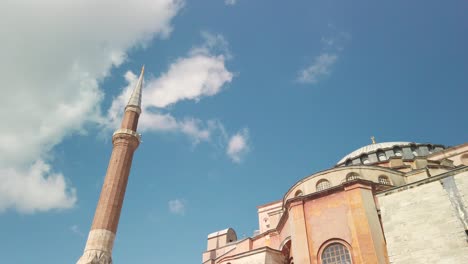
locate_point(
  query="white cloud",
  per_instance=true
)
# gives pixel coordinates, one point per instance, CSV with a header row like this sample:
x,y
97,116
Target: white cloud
x,y
200,74
238,145
319,68
177,206
188,79
230,2
36,189
52,61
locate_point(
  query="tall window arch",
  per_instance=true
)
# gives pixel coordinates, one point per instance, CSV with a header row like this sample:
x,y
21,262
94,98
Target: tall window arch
x,y
322,185
335,253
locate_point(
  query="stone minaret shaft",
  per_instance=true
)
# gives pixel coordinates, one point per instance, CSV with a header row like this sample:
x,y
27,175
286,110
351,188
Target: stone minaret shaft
x,y
100,241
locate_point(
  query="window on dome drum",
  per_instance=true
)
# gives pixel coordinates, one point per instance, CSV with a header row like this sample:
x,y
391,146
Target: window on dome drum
x,y
414,150
336,253
381,155
430,148
398,152
365,159
352,176
322,185
348,162
384,180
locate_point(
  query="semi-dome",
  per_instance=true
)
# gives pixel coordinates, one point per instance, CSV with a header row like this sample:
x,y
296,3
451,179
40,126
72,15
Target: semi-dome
x,y
377,152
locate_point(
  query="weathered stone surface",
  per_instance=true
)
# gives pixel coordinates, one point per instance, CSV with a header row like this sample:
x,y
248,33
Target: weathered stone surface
x,y
421,226
95,257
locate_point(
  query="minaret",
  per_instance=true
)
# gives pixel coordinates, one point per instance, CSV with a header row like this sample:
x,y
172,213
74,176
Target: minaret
x,y
100,241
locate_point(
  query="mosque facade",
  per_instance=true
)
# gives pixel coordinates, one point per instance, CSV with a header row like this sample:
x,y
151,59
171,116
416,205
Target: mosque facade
x,y
392,202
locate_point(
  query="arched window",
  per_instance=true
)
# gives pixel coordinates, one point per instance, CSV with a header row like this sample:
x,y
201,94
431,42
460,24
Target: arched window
x,y
365,159
398,152
322,185
381,155
384,180
298,193
336,253
349,162
352,176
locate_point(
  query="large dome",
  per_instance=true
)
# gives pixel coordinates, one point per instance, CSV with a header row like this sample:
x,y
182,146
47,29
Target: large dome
x,y
407,150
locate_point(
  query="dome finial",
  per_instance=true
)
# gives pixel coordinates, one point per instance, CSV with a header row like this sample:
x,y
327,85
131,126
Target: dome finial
x,y
373,139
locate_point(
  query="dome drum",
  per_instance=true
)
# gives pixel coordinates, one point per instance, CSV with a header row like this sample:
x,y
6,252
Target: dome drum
x,y
382,152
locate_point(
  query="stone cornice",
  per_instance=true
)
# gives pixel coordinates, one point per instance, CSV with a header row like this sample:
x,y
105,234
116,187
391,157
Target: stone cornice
x,y
349,168
133,108
423,181
124,131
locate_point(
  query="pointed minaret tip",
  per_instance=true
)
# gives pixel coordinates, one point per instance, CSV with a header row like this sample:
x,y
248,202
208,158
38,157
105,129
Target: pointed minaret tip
x,y
135,98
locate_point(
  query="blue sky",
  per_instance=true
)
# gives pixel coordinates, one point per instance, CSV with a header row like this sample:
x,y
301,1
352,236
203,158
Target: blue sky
x,y
242,99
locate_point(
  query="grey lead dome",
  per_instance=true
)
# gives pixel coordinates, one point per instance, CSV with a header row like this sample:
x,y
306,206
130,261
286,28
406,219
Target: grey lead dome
x,y
378,152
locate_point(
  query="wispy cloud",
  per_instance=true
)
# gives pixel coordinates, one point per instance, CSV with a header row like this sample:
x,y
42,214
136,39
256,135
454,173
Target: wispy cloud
x,y
177,206
230,2
238,145
76,230
319,68
322,64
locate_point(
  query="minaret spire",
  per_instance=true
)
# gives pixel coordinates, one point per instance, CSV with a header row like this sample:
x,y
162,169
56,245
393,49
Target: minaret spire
x,y
135,98
98,249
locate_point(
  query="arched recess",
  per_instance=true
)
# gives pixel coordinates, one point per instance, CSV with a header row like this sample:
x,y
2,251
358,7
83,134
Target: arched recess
x,y
335,251
286,250
298,193
383,179
398,151
365,159
381,155
352,176
464,159
322,185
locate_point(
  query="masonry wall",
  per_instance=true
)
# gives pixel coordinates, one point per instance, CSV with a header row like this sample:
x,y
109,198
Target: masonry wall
x,y
348,216
260,256
422,225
